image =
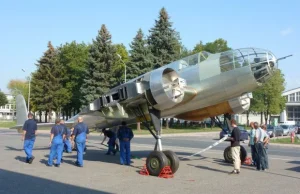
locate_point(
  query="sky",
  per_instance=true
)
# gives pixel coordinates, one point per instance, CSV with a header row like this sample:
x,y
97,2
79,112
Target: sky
x,y
27,26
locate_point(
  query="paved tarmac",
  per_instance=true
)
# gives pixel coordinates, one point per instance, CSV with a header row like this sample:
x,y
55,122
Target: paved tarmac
x,y
103,174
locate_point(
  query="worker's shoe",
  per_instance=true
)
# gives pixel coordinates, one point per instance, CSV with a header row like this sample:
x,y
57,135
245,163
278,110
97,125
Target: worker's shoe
x,y
235,172
31,159
56,165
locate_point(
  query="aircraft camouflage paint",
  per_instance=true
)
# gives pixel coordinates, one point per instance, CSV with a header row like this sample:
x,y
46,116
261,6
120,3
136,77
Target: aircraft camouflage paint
x,y
194,88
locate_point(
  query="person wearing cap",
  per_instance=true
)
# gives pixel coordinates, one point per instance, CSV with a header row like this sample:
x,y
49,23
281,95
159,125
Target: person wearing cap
x,y
28,136
56,142
125,135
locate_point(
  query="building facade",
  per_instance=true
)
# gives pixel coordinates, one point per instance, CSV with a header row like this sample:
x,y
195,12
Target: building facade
x,y
292,110
8,111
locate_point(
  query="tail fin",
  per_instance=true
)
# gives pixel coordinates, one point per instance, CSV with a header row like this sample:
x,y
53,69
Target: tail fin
x,y
21,109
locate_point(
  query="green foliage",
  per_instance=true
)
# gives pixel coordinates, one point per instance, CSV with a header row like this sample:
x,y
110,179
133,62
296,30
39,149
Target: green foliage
x,y
118,69
3,99
267,98
16,87
102,57
47,91
141,58
219,45
163,40
72,58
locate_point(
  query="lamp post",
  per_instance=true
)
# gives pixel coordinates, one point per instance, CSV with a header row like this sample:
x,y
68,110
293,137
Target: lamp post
x,y
28,90
124,65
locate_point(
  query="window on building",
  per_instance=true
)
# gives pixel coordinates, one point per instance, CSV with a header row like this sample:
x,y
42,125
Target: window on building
x,y
298,97
7,106
292,98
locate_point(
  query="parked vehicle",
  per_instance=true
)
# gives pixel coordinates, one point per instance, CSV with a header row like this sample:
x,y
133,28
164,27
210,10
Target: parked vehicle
x,y
244,133
274,131
287,129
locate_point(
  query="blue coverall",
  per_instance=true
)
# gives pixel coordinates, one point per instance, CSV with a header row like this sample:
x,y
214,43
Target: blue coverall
x,y
80,131
30,127
56,145
123,133
67,142
111,142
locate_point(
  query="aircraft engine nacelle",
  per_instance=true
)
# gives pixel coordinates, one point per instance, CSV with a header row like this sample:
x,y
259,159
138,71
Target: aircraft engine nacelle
x,y
166,88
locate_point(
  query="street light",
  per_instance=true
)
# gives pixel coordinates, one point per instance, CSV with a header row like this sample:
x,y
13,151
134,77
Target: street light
x,y
28,90
124,65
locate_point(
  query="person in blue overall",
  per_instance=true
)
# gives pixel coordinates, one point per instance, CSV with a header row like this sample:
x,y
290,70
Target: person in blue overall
x,y
67,141
125,135
29,134
111,142
80,133
56,142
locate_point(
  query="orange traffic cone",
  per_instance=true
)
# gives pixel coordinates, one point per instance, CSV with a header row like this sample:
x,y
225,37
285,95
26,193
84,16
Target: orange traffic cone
x,y
144,171
166,172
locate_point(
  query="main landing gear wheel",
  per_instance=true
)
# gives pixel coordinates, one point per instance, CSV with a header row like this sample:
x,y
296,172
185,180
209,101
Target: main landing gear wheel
x,y
173,160
155,162
228,156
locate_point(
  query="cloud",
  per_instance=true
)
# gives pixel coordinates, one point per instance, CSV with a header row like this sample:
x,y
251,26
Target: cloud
x,y
286,31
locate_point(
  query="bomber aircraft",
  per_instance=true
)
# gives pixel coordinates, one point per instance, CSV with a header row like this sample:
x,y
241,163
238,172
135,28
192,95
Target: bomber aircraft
x,y
194,88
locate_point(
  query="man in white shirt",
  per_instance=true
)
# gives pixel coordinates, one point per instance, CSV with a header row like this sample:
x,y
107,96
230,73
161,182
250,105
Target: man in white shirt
x,y
260,140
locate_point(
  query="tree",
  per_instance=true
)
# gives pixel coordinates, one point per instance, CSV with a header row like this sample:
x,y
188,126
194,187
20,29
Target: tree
x,y
141,58
163,40
72,58
118,69
219,45
102,57
17,86
267,99
3,99
47,91
199,47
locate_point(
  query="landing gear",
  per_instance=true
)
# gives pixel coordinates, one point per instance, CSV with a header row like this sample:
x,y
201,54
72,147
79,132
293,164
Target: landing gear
x,y
226,128
158,158
228,156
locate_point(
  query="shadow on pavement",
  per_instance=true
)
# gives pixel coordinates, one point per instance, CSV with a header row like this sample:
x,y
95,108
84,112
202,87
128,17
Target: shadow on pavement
x,y
12,182
20,158
285,175
19,150
208,168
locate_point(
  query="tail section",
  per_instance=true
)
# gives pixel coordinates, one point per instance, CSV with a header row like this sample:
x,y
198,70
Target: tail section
x,y
21,110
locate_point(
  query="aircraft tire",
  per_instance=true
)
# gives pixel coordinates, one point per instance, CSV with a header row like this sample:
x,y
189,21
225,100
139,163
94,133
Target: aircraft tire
x,y
155,162
228,157
173,160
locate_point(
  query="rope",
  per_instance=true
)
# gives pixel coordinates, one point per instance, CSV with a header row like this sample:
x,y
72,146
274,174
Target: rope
x,y
209,147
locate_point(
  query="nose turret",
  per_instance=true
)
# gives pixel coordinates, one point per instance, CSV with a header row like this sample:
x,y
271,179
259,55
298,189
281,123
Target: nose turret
x,y
263,63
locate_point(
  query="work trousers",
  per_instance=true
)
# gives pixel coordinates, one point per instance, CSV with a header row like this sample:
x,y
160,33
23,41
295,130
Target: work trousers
x,y
125,152
56,150
67,145
28,146
266,158
80,144
235,152
260,165
254,153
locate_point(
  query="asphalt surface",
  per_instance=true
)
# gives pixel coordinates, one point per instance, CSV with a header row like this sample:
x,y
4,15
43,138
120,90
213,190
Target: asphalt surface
x,y
102,174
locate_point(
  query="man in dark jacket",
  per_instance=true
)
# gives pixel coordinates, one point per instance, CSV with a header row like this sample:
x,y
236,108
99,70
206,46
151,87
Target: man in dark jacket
x,y
125,135
235,147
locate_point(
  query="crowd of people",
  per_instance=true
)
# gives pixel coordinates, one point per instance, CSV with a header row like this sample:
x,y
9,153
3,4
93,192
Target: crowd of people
x,y
259,140
64,139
